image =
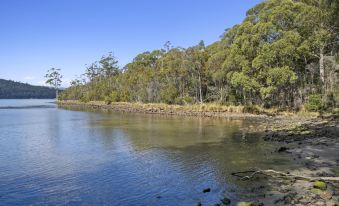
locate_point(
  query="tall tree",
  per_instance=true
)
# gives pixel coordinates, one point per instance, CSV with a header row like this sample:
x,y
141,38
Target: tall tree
x,y
54,78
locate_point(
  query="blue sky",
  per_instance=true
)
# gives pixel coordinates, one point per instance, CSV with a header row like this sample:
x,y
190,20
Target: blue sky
x,y
39,34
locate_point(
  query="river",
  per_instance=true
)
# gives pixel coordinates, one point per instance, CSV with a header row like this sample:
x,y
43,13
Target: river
x,y
54,156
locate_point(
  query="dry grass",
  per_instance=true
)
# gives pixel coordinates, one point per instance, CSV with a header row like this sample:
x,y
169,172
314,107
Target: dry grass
x,y
206,107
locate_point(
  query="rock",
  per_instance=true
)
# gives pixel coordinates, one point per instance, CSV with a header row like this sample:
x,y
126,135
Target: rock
x,y
332,203
245,204
336,171
319,203
282,149
199,204
206,190
316,191
320,185
225,201
327,195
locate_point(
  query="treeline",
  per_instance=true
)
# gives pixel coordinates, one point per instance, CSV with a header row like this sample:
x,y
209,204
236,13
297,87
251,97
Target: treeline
x,y
17,90
284,54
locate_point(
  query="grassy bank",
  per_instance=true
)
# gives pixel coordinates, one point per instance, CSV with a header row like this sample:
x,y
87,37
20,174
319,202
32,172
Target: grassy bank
x,y
210,109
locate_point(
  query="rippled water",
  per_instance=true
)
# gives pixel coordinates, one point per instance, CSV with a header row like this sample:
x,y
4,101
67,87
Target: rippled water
x,y
51,156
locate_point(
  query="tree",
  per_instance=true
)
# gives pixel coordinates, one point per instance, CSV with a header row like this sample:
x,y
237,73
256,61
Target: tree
x,y
282,53
109,65
54,78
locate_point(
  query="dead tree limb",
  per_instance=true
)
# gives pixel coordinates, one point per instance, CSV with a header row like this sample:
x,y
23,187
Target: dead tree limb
x,y
273,173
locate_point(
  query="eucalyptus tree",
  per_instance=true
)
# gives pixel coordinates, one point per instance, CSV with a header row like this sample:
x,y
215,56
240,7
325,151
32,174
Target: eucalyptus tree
x,y
282,53
109,65
54,78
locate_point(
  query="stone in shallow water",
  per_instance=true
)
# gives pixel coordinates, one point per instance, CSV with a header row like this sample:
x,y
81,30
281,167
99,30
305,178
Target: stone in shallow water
x,y
245,204
225,201
206,190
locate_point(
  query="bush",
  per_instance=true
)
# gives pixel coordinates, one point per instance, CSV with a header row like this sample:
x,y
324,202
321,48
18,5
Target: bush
x,y
330,101
231,100
113,97
251,109
315,103
168,94
187,99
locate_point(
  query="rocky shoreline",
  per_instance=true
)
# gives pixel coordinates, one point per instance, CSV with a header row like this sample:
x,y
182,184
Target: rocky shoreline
x,y
314,146
158,109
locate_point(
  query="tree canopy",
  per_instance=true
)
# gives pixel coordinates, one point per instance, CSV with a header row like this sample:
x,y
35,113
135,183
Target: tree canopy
x,y
17,90
283,52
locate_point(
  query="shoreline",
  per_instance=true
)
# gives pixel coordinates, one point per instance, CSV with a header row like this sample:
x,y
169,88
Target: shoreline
x,y
196,110
314,146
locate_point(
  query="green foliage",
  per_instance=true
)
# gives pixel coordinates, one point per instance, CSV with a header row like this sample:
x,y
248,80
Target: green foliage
x,y
169,94
113,97
274,58
54,79
16,90
315,103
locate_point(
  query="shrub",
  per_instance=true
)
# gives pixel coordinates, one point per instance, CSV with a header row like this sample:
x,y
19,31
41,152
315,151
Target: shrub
x,y
187,99
315,103
113,97
251,109
168,94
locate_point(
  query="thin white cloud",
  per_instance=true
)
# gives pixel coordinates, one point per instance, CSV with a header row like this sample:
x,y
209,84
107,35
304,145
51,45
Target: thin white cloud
x,y
42,83
28,78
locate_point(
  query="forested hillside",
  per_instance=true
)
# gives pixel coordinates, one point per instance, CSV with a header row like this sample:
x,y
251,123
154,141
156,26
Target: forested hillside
x,y
16,90
284,54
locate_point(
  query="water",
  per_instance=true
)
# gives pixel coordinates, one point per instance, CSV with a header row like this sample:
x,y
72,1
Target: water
x,y
51,156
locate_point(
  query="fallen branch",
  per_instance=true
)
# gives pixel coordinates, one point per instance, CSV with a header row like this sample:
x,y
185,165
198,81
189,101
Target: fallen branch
x,y
274,173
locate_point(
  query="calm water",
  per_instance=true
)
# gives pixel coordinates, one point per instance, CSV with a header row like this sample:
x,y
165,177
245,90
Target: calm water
x,y
51,156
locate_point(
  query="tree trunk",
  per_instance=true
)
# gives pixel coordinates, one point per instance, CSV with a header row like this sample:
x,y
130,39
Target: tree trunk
x,y
200,89
322,69
221,94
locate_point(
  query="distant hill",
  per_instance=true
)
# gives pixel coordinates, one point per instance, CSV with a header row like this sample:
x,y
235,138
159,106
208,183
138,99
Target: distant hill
x,y
17,90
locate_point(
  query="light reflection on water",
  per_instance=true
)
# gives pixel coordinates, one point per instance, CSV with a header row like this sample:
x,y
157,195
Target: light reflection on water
x,y
62,157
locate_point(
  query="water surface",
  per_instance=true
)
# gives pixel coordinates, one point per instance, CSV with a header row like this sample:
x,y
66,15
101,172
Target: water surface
x,y
53,156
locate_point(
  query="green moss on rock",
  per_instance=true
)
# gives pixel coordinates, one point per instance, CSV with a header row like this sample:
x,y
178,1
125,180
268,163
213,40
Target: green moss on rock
x,y
320,185
245,204
316,191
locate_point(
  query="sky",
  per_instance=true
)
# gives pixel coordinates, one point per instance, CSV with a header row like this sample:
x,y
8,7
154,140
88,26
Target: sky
x,y
36,35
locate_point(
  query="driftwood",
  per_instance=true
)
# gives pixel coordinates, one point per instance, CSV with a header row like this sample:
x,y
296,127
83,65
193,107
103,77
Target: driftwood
x,y
247,175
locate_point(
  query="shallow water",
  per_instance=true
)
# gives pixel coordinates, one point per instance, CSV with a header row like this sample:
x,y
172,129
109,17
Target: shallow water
x,y
53,156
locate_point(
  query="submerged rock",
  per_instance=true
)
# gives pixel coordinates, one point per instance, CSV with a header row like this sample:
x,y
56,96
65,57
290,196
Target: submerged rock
x,y
282,149
225,201
206,190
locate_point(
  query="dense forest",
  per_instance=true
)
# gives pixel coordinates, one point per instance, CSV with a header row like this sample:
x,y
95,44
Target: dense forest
x,y
16,90
284,54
